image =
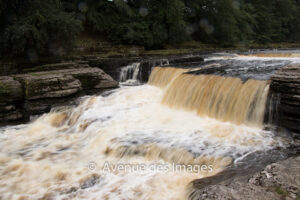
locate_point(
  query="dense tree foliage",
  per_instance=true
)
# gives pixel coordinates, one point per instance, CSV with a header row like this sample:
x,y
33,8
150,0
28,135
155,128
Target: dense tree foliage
x,y
45,26
32,26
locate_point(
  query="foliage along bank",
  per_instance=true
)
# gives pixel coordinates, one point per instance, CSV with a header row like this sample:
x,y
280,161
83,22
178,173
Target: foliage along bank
x,y
37,27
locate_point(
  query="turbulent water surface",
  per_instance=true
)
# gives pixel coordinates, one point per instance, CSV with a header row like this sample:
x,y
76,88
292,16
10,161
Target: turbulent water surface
x,y
172,121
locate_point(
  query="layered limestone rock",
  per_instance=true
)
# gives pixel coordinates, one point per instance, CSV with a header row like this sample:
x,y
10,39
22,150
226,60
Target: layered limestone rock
x,y
285,87
37,92
48,85
92,78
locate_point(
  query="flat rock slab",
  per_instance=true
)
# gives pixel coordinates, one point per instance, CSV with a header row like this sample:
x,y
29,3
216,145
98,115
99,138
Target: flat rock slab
x,y
91,78
277,181
37,92
48,85
64,83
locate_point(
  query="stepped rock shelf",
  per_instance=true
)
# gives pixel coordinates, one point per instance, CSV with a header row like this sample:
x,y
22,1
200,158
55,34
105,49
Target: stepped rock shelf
x,y
33,93
285,87
42,87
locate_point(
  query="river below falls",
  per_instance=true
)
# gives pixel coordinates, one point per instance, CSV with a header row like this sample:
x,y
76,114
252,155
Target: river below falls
x,y
123,145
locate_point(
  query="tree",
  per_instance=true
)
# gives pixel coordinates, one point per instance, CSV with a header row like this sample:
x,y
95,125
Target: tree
x,y
36,26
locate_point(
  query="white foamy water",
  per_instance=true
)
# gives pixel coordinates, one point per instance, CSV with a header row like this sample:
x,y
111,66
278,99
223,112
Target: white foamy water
x,y
130,72
292,57
61,155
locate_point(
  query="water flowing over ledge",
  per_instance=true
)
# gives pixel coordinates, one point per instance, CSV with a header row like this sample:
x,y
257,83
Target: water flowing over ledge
x,y
222,98
61,154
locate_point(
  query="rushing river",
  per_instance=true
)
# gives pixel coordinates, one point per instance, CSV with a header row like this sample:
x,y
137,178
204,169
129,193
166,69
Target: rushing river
x,y
141,142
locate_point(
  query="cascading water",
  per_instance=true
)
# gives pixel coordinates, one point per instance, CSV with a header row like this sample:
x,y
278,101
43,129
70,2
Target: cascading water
x,y
140,71
161,77
222,98
73,153
130,72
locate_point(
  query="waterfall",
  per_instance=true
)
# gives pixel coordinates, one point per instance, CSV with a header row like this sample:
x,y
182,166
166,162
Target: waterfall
x,y
222,98
140,71
177,128
162,76
130,72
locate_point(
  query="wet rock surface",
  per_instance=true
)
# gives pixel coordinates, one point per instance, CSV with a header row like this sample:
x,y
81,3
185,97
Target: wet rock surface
x,y
280,180
286,87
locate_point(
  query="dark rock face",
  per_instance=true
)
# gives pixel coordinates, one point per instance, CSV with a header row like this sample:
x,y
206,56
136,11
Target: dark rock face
x,y
146,68
286,86
11,95
10,90
279,180
180,60
23,95
111,66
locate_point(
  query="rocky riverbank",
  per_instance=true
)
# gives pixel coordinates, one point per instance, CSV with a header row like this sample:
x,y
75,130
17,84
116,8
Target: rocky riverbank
x,y
30,90
277,181
47,86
